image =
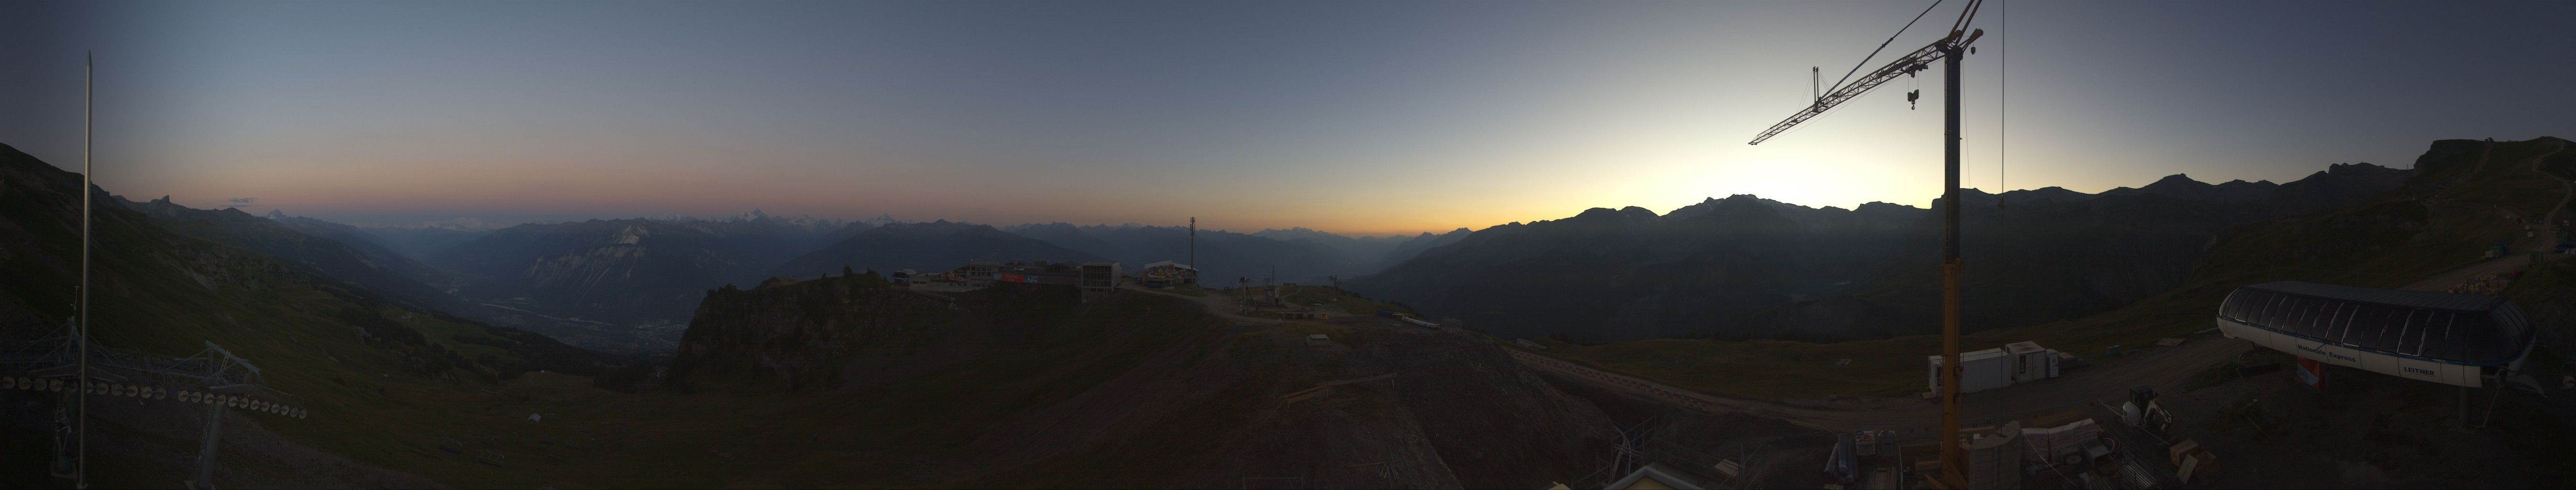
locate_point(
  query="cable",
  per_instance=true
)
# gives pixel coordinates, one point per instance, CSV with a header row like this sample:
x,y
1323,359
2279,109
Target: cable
x,y
2003,94
1882,46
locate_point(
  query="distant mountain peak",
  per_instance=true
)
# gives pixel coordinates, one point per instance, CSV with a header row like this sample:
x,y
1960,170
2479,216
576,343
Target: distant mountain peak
x,y
276,214
757,216
1882,207
2178,179
1597,211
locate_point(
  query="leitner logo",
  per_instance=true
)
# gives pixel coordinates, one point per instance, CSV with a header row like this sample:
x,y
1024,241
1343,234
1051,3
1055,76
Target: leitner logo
x,y
2321,350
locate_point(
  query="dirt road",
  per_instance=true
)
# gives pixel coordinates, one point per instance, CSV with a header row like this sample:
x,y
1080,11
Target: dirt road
x,y
1219,303
2162,368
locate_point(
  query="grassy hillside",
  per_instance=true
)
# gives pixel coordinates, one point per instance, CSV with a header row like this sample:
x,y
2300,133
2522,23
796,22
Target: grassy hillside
x,y
2439,221
361,363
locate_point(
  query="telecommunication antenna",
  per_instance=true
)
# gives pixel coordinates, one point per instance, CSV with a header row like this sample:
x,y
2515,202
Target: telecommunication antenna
x,y
1948,50
89,69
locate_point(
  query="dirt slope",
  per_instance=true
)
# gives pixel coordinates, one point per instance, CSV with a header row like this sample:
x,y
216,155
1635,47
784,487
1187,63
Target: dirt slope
x,y
1141,389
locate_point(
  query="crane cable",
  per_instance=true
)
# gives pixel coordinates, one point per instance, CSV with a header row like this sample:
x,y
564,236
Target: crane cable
x,y
1882,46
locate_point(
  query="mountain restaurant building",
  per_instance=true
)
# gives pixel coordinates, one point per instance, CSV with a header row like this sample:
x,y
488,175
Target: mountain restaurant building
x,y
1167,274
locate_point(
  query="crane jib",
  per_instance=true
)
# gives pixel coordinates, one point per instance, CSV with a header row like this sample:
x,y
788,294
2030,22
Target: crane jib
x,y
1919,60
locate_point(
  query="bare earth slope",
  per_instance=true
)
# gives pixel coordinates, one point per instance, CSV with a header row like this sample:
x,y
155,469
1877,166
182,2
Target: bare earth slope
x,y
1021,387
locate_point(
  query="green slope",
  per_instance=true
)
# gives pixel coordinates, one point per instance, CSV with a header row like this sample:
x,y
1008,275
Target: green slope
x,y
362,363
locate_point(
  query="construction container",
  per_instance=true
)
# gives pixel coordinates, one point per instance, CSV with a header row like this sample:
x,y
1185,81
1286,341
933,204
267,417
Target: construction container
x,y
1980,371
2032,362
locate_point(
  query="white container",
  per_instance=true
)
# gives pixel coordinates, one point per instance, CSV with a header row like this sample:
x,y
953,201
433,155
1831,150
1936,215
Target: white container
x,y
1982,370
2031,362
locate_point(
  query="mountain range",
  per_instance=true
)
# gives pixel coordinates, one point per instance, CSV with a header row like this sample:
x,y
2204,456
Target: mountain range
x,y
1736,267
1745,267
935,247
1223,257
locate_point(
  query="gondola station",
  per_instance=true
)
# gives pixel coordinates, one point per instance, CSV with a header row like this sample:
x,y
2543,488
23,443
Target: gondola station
x,y
2457,339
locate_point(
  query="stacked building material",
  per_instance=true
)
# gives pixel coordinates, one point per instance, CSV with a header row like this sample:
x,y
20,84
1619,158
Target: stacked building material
x,y
2050,445
1995,459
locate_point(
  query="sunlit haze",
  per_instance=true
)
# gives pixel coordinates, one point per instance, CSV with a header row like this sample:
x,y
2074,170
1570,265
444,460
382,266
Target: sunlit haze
x,y
1342,116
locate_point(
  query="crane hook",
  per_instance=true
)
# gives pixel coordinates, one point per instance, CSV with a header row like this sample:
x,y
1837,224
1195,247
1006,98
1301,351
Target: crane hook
x,y
1910,97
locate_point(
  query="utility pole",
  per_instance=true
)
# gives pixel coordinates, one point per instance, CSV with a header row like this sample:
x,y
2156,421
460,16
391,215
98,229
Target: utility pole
x,y
1194,249
89,76
1948,50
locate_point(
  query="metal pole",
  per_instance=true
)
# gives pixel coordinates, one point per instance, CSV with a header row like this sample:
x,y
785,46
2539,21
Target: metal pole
x,y
206,451
1194,250
80,478
1953,464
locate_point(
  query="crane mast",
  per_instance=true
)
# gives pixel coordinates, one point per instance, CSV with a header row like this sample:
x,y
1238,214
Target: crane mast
x,y
1948,50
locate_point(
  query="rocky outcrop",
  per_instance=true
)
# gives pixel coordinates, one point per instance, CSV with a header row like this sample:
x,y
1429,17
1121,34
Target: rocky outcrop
x,y
799,334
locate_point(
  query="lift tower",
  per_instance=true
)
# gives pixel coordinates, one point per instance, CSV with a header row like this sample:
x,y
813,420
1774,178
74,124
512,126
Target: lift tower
x,y
1947,50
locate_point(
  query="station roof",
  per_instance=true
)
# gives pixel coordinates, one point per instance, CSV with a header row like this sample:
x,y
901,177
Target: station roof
x,y
2391,297
2458,328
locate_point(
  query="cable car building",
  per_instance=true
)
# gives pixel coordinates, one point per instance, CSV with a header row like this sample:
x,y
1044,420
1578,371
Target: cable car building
x,y
2455,339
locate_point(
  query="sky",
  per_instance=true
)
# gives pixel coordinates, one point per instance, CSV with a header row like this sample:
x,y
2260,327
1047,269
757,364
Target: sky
x,y
1353,117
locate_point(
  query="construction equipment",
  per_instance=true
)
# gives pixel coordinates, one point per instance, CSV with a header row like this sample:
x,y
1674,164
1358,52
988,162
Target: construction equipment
x,y
2142,412
1947,50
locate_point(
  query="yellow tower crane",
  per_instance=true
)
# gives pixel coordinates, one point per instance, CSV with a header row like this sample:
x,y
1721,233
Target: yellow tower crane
x,y
1948,50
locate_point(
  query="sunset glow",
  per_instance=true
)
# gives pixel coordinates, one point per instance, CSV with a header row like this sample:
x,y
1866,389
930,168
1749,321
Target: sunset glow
x,y
1349,117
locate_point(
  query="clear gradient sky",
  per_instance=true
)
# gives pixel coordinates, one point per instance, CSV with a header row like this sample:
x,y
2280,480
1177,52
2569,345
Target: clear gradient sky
x,y
1359,117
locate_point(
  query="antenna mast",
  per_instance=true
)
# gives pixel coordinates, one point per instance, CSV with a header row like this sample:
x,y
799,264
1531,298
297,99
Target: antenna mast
x,y
81,431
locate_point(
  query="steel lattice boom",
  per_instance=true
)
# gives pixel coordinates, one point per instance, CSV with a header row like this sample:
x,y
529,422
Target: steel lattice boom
x,y
1916,61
